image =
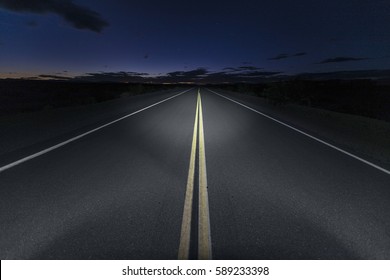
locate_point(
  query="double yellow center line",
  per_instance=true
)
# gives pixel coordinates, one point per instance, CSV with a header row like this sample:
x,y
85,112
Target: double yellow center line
x,y
204,238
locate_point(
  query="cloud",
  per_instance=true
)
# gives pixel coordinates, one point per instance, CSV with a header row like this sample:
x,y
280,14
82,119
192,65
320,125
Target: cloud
x,y
78,16
228,74
341,59
54,77
285,55
192,74
280,56
121,77
300,54
230,69
212,77
198,75
241,68
249,68
259,74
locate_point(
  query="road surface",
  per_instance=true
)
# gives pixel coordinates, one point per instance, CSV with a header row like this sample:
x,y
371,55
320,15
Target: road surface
x,y
193,176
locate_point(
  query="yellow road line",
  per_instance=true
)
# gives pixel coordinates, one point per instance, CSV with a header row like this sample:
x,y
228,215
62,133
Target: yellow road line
x,y
204,241
184,247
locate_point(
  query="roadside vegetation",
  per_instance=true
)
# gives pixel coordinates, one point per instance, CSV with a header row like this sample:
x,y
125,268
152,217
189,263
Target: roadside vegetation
x,y
357,97
20,96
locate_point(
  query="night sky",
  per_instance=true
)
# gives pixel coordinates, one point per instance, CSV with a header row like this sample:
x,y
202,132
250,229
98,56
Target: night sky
x,y
247,38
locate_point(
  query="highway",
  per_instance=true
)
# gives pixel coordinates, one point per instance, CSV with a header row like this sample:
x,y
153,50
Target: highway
x,y
195,175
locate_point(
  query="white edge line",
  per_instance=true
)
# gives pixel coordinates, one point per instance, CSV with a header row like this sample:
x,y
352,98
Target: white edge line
x,y
308,135
22,160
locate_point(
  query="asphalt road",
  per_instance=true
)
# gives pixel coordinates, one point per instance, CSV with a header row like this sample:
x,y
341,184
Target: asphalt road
x,y
256,190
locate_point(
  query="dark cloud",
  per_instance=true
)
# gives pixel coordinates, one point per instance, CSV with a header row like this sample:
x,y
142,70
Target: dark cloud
x,y
229,74
300,54
249,68
341,59
230,69
241,68
199,75
120,77
192,74
259,74
54,77
78,16
285,56
30,78
280,56
214,77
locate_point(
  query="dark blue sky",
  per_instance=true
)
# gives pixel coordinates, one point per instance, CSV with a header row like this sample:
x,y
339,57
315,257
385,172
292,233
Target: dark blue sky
x,y
72,38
